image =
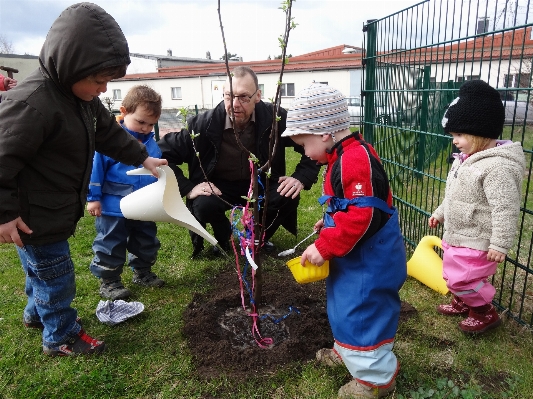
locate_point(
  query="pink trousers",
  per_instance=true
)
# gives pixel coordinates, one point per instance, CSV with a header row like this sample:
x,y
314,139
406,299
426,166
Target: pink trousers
x,y
466,272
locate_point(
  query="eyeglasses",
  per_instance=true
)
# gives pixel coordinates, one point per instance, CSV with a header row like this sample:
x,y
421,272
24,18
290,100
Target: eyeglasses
x,y
244,99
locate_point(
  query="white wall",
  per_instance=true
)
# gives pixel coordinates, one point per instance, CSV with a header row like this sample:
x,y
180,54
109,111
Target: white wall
x,y
339,79
491,72
198,90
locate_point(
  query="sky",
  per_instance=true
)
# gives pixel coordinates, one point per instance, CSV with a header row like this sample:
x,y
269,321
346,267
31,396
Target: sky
x,y
190,28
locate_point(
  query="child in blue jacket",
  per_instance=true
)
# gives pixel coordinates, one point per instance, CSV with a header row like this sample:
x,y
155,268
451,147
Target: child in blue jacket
x,y
116,235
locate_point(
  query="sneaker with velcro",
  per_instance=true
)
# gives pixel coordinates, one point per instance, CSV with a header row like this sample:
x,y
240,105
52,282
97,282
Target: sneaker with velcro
x,y
81,344
113,289
148,279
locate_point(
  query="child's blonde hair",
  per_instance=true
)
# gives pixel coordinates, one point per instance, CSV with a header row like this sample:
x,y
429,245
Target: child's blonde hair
x,y
478,143
145,96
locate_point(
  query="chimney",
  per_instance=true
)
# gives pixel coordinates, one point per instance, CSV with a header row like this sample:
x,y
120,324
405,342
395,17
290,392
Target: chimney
x,y
208,55
482,25
169,52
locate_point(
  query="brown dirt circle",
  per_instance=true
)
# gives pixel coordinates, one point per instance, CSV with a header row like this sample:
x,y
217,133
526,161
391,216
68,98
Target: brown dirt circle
x,y
219,331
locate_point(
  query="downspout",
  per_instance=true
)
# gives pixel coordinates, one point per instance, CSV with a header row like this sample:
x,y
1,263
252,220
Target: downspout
x,y
202,91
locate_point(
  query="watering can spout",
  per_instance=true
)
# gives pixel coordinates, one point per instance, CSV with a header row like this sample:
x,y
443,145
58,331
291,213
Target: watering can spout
x,y
161,202
426,265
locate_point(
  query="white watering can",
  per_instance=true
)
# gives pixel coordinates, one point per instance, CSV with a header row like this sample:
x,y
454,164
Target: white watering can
x,y
161,202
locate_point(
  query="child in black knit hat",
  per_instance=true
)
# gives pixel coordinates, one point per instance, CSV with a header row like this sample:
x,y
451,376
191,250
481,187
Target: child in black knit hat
x,y
481,204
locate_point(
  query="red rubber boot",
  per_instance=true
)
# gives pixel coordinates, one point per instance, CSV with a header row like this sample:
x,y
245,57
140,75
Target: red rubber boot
x,y
480,319
457,307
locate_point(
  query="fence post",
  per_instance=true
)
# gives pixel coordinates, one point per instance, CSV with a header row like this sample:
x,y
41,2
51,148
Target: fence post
x,y
369,63
421,153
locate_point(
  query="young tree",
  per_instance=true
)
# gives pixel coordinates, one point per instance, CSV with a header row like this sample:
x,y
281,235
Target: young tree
x,y
260,227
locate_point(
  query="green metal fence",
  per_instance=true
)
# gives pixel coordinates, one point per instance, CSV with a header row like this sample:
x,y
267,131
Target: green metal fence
x,y
415,61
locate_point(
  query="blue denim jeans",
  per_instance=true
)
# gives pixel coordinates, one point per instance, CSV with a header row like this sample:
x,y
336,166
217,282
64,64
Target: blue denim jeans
x,y
50,287
117,236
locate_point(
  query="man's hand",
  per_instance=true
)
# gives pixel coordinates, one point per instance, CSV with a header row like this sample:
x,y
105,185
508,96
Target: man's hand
x,y
152,163
9,232
289,186
204,188
94,208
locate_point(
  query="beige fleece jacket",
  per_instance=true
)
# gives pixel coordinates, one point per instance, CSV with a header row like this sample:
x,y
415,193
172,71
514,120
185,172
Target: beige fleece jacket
x,y
482,200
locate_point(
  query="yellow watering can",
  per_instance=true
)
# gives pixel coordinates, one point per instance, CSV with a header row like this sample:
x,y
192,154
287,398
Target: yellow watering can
x,y
426,265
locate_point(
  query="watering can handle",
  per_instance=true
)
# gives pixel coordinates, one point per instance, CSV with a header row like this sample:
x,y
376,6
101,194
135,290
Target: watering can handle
x,y
432,240
426,266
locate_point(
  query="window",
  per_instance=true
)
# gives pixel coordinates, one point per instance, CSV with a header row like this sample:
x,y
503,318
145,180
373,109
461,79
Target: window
x,y
517,80
175,93
117,94
262,88
467,77
287,90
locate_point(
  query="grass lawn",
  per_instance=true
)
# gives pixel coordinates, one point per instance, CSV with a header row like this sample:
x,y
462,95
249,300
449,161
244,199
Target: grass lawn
x,y
148,357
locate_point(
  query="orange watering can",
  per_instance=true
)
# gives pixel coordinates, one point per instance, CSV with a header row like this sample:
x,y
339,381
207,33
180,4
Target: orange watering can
x,y
426,265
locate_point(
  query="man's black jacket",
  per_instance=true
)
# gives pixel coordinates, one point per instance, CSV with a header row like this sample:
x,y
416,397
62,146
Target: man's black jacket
x,y
177,147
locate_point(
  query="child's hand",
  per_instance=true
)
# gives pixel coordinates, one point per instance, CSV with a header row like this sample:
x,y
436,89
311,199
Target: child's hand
x,y
312,255
9,83
152,163
433,222
9,232
495,256
94,208
319,225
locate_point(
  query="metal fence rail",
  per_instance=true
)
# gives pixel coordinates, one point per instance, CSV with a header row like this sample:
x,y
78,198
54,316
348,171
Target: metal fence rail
x,y
415,62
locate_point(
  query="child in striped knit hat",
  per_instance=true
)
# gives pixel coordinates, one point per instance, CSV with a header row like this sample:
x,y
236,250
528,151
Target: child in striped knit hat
x,y
360,236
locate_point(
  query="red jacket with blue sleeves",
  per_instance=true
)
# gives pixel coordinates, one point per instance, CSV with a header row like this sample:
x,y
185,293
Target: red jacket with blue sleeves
x,y
354,170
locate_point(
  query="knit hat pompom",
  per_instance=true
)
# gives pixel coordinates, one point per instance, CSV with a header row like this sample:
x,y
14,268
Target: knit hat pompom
x,y
317,109
477,111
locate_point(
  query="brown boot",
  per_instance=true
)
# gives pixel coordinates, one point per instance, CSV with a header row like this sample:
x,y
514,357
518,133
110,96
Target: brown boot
x,y
457,307
354,389
480,319
329,357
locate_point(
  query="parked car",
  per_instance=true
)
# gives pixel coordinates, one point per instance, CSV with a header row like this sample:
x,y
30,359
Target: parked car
x,y
355,110
518,111
385,115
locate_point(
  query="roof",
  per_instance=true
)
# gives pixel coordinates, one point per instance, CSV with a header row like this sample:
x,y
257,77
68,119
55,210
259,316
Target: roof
x,y
172,58
327,59
341,50
507,45
514,44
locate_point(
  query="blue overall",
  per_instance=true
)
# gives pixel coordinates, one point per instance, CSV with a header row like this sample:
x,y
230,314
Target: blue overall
x,y
362,296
